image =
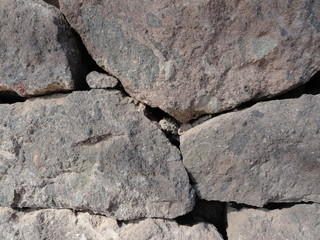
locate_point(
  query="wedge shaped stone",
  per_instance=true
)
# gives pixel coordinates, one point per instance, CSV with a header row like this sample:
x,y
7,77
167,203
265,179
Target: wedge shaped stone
x,y
90,151
266,153
196,57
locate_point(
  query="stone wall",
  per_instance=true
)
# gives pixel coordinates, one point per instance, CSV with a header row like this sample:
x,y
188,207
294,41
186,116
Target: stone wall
x,y
160,119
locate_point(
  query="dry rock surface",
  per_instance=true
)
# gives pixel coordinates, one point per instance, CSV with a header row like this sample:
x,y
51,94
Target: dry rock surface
x,y
90,151
98,80
38,51
64,224
300,222
150,152
196,57
266,153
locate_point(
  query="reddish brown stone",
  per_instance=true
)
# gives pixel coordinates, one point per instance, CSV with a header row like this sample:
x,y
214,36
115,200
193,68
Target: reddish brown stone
x,y
196,57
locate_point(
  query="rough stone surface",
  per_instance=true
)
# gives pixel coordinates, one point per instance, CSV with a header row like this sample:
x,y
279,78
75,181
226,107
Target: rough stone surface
x,y
266,153
196,57
100,80
64,224
300,222
90,151
39,53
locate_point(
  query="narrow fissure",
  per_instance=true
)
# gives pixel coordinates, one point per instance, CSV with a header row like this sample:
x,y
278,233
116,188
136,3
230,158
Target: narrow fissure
x,y
310,87
168,124
269,206
10,97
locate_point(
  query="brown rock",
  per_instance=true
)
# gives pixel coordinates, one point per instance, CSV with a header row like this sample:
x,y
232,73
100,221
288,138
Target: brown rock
x,y
266,153
90,151
64,224
39,53
196,57
100,80
300,222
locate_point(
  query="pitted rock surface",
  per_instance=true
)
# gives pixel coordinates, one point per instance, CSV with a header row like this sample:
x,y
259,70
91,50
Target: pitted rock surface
x,y
300,222
196,57
39,53
64,224
90,151
266,153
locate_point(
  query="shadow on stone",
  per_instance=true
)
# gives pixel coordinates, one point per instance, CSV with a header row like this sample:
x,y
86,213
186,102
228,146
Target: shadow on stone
x,y
213,212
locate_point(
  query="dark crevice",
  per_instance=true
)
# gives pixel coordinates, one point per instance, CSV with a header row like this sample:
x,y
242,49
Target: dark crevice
x,y
53,3
80,82
10,97
212,212
168,124
311,87
269,206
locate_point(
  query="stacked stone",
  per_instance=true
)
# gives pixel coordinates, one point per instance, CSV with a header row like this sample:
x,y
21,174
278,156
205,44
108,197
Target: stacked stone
x,y
94,164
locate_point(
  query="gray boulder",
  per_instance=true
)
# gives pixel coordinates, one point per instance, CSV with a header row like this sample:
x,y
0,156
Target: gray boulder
x,y
38,51
196,57
266,153
90,151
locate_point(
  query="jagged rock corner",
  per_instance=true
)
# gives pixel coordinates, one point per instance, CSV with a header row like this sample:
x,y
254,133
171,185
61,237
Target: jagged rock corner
x,y
159,119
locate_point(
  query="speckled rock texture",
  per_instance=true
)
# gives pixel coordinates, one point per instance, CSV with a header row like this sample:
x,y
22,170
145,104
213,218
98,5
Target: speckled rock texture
x,y
90,151
266,153
98,80
300,222
195,57
64,224
39,53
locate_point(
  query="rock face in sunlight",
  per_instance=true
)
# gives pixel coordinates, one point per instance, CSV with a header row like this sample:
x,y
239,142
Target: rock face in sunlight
x,y
299,222
39,53
90,151
266,153
162,120
197,57
64,224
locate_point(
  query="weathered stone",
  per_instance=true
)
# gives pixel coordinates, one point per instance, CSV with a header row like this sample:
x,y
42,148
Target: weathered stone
x,y
168,230
266,153
100,80
64,224
90,151
38,51
196,57
300,222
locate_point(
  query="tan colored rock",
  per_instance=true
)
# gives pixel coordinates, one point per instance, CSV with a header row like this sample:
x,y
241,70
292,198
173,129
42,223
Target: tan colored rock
x,y
160,229
90,151
300,222
38,51
196,57
266,153
65,224
100,80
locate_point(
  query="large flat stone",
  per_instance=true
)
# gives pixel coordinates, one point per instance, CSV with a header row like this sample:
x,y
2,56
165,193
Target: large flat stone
x,y
90,151
64,224
206,56
38,51
300,222
266,153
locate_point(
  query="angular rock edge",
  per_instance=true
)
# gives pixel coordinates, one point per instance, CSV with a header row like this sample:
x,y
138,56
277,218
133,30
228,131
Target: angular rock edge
x,y
65,224
39,51
266,153
90,151
300,222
